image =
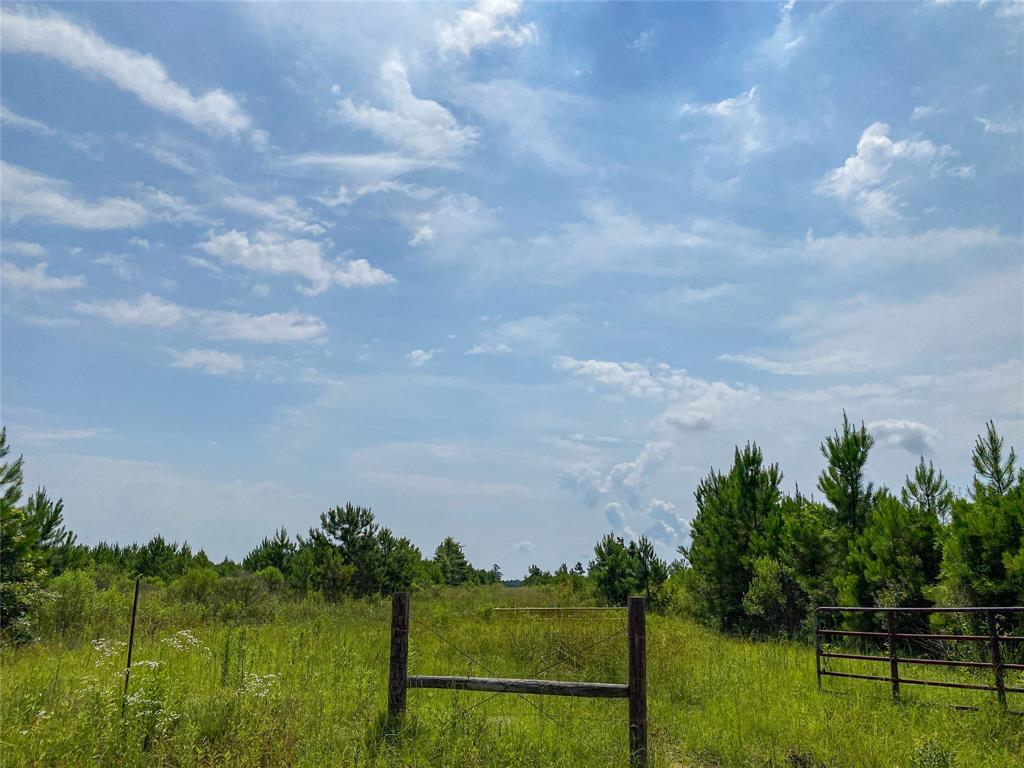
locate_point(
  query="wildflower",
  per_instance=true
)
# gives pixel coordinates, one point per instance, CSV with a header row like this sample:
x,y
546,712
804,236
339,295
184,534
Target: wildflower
x,y
258,685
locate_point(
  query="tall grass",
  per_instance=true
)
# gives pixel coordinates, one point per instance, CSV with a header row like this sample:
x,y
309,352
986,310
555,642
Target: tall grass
x,y
307,688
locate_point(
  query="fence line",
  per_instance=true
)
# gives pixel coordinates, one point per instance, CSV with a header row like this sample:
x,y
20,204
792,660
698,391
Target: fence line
x,y
993,639
400,681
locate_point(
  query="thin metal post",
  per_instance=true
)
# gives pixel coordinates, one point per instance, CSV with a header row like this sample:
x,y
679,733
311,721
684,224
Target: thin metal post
x,y
131,645
894,665
817,648
637,637
997,658
398,670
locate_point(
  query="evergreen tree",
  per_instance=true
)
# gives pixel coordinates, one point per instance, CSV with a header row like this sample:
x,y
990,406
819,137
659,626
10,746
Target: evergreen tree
x,y
983,553
843,482
611,569
895,557
451,562
738,520
992,475
353,532
928,492
276,552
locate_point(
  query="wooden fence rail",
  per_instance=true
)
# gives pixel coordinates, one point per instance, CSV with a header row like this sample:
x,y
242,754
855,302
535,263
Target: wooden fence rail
x,y
992,638
400,681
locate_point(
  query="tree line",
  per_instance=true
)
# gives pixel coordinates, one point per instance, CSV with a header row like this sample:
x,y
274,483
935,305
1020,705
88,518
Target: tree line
x,y
759,560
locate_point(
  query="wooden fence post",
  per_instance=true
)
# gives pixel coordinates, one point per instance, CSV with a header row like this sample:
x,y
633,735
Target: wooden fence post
x,y
398,670
131,645
894,666
997,658
637,637
817,648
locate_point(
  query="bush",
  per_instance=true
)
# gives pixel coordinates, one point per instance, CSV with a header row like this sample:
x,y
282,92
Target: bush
x,y
66,611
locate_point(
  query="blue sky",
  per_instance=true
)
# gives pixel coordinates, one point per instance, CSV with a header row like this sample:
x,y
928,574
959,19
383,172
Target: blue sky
x,y
515,273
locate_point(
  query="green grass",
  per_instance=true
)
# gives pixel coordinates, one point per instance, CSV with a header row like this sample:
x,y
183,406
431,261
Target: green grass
x,y
308,689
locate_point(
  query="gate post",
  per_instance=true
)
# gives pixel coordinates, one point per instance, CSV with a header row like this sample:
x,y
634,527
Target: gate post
x,y
894,666
997,658
398,670
817,648
636,632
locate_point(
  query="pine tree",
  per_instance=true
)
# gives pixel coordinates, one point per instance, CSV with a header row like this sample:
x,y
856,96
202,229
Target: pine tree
x,y
928,492
992,476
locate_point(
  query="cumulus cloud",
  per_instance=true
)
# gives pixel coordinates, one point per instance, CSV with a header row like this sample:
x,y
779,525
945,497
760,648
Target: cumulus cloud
x,y
487,23
270,253
666,526
523,547
420,127
34,279
211,361
695,402
864,182
54,36
420,357
911,436
153,311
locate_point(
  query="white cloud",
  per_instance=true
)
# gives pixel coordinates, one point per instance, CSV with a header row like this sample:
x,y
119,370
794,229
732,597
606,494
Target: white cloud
x,y
949,328
695,402
119,264
529,118
276,327
139,242
271,253
523,547
485,24
862,181
29,195
368,168
912,436
283,211
643,41
1005,127
147,310
13,119
528,335
737,124
666,527
626,480
18,248
924,111
785,40
152,311
212,361
420,357
35,280
52,35
420,127
635,379
424,234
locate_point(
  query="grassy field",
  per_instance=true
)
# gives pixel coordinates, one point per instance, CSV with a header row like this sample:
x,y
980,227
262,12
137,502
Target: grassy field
x,y
307,688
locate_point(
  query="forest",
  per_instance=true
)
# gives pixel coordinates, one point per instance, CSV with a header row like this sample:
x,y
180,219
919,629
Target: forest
x,y
759,560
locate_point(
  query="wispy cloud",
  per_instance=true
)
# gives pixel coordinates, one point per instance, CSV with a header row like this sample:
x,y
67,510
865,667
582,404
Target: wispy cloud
x,y
52,35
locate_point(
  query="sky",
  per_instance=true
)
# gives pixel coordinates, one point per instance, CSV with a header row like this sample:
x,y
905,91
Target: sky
x,y
520,274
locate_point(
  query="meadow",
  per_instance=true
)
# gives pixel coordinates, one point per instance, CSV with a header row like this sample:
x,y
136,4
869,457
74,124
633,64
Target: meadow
x,y
305,686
